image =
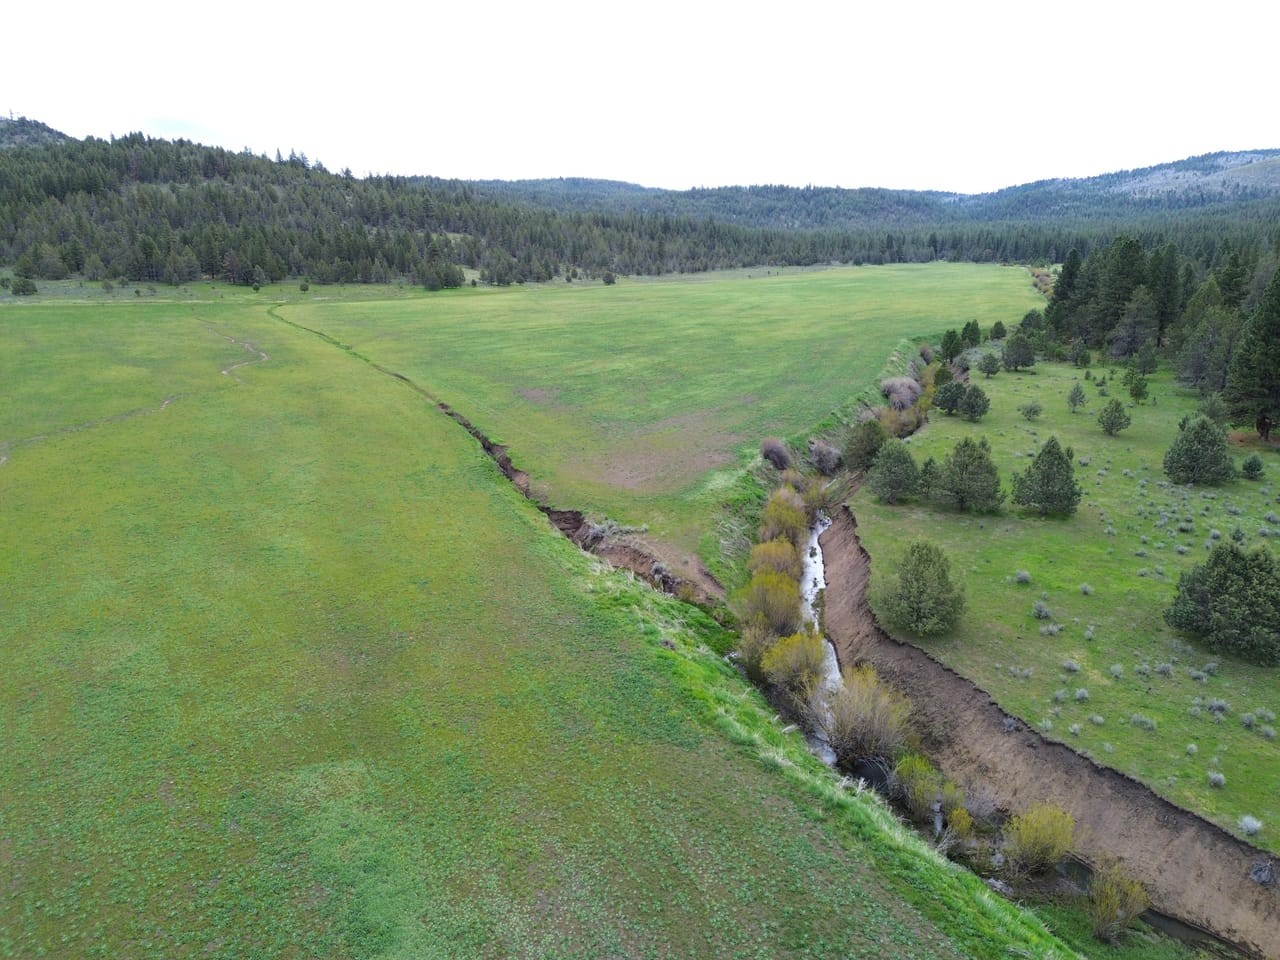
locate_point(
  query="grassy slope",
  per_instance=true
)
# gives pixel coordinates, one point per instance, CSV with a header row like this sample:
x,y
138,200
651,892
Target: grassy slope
x,y
1126,493
291,671
623,400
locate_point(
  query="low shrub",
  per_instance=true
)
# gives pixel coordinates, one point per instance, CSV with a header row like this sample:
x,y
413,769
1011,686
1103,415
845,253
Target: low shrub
x,y
1115,901
1036,840
919,785
824,457
784,515
795,663
778,556
771,600
776,452
866,718
1250,826
900,392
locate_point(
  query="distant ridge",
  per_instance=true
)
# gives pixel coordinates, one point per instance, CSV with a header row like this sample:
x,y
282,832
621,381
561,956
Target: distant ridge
x,y
27,133
1202,183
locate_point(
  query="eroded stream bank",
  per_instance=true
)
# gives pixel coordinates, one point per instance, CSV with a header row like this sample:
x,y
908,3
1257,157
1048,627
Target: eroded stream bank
x,y
1194,871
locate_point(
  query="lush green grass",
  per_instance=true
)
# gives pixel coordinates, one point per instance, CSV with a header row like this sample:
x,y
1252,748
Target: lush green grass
x,y
640,401
1123,544
290,670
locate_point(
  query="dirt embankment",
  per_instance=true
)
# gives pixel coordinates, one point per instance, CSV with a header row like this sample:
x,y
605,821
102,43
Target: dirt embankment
x,y
621,551
1194,871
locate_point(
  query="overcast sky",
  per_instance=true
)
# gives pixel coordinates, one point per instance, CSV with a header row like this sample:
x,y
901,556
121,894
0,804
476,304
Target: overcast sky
x,y
950,96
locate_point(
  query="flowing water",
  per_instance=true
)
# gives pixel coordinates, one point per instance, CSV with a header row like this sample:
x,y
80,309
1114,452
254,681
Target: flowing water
x,y
812,582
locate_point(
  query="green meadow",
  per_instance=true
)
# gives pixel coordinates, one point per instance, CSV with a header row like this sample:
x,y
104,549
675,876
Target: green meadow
x,y
292,671
1103,672
642,401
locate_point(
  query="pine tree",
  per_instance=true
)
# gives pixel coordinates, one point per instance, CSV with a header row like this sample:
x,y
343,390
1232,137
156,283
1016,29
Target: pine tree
x,y
1199,454
989,365
1076,398
1018,352
1049,484
1253,378
948,396
951,345
925,600
1113,418
894,474
1230,601
968,479
974,404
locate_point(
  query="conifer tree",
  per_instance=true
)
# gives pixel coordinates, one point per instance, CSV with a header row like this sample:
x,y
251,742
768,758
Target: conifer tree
x,y
1199,454
968,479
924,600
1049,484
974,404
894,474
1076,398
1113,418
1253,378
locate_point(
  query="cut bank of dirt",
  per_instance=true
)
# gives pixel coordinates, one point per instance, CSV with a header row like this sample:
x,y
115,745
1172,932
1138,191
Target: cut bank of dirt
x,y
1193,870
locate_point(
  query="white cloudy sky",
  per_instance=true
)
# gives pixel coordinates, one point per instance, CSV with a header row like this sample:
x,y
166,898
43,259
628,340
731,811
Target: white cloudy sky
x,y
955,96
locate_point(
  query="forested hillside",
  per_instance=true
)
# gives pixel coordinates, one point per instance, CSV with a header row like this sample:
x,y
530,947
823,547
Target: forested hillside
x,y
159,211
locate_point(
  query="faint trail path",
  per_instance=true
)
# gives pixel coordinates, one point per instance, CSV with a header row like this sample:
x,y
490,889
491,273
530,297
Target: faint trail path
x,y
229,371
9,445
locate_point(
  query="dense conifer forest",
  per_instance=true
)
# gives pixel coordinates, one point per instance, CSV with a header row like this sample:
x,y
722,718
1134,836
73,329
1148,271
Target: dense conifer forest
x,y
156,211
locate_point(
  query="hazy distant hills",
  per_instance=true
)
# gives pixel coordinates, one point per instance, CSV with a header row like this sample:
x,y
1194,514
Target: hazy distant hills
x,y
1214,181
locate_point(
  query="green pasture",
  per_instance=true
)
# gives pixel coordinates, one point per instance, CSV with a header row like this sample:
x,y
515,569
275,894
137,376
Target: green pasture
x,y
1112,568
642,401
291,671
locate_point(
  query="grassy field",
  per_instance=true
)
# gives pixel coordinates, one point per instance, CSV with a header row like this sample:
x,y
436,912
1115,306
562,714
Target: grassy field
x,y
1105,576
291,671
641,400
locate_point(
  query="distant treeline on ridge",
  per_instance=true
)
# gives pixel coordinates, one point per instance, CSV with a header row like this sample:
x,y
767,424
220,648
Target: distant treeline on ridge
x,y
157,211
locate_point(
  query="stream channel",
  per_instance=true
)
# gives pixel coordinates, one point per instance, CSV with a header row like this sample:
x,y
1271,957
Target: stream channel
x,y
813,581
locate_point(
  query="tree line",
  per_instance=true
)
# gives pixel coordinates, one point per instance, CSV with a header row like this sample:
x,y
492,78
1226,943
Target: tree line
x,y
158,211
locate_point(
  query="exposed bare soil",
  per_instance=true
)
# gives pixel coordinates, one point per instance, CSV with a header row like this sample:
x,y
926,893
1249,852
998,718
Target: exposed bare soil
x,y
1193,870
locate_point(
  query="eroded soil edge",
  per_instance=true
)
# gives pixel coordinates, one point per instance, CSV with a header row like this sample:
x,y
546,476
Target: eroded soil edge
x,y
1193,870
573,524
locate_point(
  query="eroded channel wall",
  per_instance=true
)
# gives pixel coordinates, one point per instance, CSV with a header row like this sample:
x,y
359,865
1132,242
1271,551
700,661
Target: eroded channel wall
x,y
1194,870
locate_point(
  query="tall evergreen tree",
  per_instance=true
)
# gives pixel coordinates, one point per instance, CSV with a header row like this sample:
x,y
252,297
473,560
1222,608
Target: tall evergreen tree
x,y
894,474
1252,391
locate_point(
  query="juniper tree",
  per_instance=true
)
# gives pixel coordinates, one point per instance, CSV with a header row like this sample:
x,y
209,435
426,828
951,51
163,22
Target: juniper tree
x,y
951,345
894,474
948,396
968,479
1018,352
1113,418
1229,600
989,365
1076,398
1049,484
1199,454
863,445
924,600
974,404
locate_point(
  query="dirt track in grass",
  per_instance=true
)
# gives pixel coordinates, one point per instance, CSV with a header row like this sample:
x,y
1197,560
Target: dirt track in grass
x,y
1194,871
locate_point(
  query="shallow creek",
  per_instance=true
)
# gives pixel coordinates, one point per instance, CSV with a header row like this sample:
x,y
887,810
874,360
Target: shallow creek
x,y
812,582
